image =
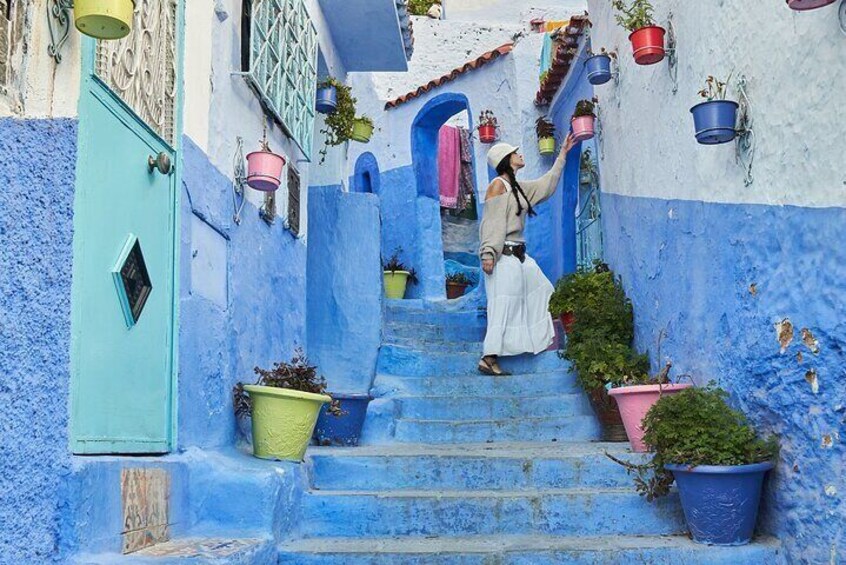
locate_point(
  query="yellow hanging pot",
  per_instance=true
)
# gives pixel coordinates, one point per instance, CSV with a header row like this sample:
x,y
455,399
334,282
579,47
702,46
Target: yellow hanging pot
x,y
104,19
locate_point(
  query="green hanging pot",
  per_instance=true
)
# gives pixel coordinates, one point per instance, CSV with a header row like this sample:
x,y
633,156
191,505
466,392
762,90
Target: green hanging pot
x,y
104,19
546,145
395,284
283,421
362,130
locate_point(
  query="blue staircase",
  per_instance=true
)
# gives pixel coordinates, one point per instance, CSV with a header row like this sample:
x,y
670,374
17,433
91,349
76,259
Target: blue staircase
x,y
458,468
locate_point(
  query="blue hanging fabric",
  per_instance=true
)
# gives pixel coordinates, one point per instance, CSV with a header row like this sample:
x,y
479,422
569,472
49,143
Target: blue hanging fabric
x,y
546,53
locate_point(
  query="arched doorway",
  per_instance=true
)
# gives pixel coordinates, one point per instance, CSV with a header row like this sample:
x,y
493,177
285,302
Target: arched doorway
x,y
366,176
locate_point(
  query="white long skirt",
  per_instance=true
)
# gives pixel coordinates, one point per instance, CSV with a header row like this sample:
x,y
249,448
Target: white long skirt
x,y
518,308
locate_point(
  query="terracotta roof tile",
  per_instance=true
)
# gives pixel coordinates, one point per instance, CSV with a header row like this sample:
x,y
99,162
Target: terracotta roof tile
x,y
566,51
476,63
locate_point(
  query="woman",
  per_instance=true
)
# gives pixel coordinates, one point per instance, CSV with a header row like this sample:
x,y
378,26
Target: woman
x,y
518,292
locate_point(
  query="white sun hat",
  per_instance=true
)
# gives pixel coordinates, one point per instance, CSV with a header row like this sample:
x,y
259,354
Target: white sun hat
x,y
499,152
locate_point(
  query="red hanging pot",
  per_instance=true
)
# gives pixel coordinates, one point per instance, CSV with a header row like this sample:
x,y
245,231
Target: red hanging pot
x,y
648,45
487,134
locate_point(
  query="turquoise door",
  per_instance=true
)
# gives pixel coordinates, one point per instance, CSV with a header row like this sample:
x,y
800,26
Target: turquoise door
x,y
123,305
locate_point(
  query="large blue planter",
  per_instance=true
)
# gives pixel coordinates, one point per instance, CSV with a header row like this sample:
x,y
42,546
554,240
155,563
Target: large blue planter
x,y
721,503
327,100
598,69
715,121
343,430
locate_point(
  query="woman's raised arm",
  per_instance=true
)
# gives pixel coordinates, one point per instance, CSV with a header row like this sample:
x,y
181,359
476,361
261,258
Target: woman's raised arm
x,y
539,190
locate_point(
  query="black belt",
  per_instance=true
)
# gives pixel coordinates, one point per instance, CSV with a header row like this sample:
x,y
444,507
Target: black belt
x,y
518,251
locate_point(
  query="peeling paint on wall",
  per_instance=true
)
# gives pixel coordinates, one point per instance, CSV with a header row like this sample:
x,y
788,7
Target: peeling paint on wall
x,y
784,332
810,341
811,377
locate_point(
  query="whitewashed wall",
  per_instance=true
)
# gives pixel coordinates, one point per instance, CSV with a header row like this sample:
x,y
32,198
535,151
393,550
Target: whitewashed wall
x,y
795,67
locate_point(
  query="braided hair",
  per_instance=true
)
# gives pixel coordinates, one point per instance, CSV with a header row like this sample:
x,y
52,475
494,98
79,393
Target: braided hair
x,y
505,168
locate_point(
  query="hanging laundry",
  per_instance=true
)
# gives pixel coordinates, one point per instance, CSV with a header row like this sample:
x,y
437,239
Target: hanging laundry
x,y
449,165
546,54
466,184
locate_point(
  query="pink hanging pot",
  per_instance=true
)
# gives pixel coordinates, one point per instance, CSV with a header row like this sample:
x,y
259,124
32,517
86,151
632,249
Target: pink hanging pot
x,y
264,170
583,127
634,402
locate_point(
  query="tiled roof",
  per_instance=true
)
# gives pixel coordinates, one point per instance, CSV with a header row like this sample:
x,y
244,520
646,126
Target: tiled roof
x,y
476,63
566,50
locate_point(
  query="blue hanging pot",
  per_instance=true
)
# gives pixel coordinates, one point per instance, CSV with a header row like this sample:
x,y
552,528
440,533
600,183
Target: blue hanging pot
x,y
715,121
327,100
720,503
344,429
598,68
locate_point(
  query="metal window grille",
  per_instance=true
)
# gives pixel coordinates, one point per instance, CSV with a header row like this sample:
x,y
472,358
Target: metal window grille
x,y
293,201
283,65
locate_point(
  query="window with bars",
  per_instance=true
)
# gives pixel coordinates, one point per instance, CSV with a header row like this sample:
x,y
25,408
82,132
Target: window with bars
x,y
283,64
293,201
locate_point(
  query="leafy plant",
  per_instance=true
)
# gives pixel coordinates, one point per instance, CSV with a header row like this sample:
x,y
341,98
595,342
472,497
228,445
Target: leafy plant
x,y
602,51
544,128
296,375
419,7
339,125
695,427
394,264
586,108
587,165
637,16
600,361
487,118
364,120
459,278
714,89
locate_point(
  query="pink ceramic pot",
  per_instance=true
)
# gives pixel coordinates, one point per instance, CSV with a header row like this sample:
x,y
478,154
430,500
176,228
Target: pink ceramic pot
x,y
264,170
808,4
634,402
583,128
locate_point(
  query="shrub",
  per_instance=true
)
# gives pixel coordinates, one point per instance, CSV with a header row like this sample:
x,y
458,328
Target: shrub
x,y
636,16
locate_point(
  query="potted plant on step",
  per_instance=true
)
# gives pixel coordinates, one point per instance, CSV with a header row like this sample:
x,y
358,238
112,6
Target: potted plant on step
x,y
646,37
397,276
801,5
715,458
715,118
487,127
563,298
264,168
338,125
283,404
362,129
546,136
456,285
598,67
327,96
342,427
584,120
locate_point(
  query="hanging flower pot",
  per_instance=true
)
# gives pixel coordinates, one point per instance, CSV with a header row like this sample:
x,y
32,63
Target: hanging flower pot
x,y
584,120
598,68
327,99
802,5
648,45
546,145
545,131
395,284
487,127
342,428
634,402
362,129
104,19
264,170
715,121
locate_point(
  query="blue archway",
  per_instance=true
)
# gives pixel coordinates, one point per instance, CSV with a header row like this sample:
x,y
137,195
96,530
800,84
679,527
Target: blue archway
x,y
366,177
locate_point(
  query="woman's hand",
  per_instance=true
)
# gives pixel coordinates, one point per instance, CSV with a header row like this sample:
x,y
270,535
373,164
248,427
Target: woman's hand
x,y
568,144
488,265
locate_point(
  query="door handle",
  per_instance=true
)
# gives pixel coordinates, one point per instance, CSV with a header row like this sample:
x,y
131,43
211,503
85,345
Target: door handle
x,y
160,162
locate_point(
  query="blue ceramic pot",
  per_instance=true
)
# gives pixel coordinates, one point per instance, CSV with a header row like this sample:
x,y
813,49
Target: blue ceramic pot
x,y
720,503
327,100
714,121
598,69
343,430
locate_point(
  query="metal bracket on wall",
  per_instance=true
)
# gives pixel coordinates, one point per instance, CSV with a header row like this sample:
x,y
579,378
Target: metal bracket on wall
x,y
600,138
59,23
841,13
745,140
239,178
672,53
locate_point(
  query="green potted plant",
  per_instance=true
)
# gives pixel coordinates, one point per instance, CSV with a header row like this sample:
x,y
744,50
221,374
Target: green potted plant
x,y
362,129
546,136
456,285
714,456
284,404
584,119
647,38
397,276
339,125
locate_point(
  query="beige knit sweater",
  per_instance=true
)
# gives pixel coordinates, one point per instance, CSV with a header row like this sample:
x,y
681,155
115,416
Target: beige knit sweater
x,y
500,222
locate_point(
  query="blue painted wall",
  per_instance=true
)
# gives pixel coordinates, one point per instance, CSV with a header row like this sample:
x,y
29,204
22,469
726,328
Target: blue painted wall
x,y
689,267
344,287
263,319
36,233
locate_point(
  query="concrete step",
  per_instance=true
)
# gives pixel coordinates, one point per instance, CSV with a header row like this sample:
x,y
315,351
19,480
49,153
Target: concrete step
x,y
440,345
476,386
434,332
213,550
493,407
571,512
421,362
567,428
525,550
500,466
422,312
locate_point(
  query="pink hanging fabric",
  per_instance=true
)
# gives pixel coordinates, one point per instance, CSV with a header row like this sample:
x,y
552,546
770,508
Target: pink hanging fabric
x,y
449,165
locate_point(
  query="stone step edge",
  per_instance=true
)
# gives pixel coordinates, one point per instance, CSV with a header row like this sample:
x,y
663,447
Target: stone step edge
x,y
438,494
495,422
